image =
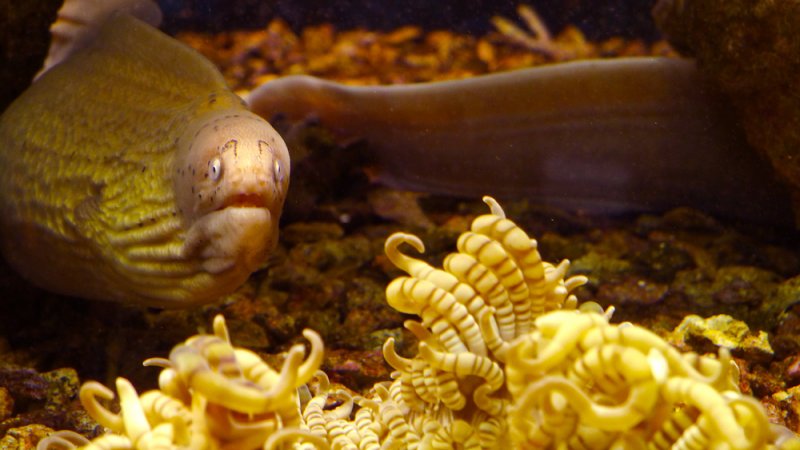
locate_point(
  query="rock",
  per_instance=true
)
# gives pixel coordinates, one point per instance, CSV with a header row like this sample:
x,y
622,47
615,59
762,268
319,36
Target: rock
x,y
25,437
704,335
749,49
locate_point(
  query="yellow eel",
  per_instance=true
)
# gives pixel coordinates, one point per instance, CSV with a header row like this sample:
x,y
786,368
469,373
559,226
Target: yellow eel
x,y
130,172
605,136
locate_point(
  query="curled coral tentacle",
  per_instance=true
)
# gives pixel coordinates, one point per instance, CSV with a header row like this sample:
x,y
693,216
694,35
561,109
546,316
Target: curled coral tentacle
x,y
459,434
524,252
449,308
464,364
332,424
722,423
220,328
751,417
610,368
592,307
659,367
557,273
439,310
162,436
217,352
491,334
624,416
513,239
62,440
133,416
276,440
345,407
169,381
557,290
470,271
399,295
323,383
204,357
496,258
313,415
721,373
366,425
420,332
88,395
563,330
159,408
508,234
411,266
426,382
281,392
489,430
110,442
173,385
157,362
448,391
679,421
255,369
393,358
574,281
702,369
494,207
342,434
484,401
310,366
235,394
541,428
395,421
316,417
238,430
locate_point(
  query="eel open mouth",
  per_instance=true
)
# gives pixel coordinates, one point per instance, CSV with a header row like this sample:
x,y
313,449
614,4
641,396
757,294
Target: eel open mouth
x,y
249,200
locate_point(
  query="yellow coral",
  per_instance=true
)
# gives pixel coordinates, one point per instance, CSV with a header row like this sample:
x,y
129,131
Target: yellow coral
x,y
589,376
504,359
212,395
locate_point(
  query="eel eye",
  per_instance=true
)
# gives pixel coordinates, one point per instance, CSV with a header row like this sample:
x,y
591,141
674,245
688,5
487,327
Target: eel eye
x,y
277,171
215,171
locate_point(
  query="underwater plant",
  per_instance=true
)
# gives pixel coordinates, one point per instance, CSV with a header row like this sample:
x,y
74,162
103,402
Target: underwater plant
x,y
506,357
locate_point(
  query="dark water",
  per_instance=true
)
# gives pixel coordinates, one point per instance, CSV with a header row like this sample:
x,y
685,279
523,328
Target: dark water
x,y
598,19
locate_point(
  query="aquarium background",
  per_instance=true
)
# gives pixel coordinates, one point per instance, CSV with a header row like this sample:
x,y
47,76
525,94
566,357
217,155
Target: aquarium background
x,y
692,278
598,19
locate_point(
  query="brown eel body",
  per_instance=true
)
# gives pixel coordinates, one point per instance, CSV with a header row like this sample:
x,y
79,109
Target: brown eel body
x,y
604,136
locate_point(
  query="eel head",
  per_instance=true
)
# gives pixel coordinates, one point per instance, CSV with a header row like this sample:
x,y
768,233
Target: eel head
x,y
231,177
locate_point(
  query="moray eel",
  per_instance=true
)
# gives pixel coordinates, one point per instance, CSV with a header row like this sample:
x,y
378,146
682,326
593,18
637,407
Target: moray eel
x,y
603,136
130,172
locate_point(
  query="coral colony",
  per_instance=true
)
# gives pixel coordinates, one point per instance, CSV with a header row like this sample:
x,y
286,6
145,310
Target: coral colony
x,y
506,359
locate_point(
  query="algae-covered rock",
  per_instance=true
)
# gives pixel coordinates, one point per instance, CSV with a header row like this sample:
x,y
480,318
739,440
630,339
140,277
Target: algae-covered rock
x,y
6,404
33,404
750,49
722,331
25,437
754,295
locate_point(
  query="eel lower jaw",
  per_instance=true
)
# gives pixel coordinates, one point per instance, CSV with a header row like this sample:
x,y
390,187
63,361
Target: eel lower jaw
x,y
234,238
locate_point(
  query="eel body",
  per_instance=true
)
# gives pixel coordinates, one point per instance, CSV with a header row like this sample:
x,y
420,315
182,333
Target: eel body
x,y
130,172
605,136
